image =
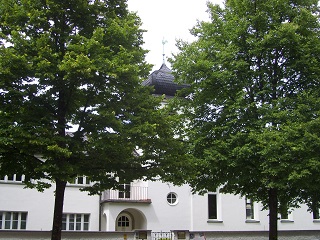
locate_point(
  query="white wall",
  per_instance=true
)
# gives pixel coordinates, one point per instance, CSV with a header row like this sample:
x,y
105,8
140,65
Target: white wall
x,y
159,215
165,217
233,218
190,213
80,202
40,205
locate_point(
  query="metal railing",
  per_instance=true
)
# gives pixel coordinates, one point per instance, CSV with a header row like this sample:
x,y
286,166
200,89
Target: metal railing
x,y
161,235
136,193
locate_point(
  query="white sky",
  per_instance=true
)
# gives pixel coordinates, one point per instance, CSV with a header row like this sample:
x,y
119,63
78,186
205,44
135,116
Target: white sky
x,y
168,20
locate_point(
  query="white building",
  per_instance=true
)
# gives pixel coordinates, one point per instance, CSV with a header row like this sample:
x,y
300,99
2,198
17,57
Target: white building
x,y
143,205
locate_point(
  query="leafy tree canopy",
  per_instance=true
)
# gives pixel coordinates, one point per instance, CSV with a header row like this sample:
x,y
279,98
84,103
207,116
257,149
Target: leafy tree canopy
x,y
75,63
253,102
72,102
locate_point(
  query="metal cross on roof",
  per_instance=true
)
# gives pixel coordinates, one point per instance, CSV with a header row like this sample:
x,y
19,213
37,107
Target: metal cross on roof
x,y
163,54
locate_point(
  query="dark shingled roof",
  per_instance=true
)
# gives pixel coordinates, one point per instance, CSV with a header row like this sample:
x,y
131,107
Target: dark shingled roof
x,y
163,82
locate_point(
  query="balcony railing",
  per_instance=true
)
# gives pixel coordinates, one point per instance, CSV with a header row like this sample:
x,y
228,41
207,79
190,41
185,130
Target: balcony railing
x,y
134,194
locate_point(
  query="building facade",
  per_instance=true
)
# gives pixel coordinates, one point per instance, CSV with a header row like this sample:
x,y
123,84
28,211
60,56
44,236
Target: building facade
x,y
155,206
141,205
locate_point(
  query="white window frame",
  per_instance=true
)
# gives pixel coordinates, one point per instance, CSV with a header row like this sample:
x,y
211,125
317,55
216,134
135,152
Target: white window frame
x,y
316,215
172,201
125,191
218,208
11,220
249,209
12,178
289,217
254,206
123,221
80,181
75,221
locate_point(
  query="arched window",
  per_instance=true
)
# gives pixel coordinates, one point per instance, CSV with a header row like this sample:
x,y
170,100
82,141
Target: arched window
x,y
123,221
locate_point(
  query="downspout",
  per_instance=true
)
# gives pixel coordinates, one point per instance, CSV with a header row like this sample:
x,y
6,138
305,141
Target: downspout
x,y
191,211
100,212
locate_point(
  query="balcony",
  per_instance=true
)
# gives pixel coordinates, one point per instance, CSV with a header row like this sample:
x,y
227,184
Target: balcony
x,y
129,194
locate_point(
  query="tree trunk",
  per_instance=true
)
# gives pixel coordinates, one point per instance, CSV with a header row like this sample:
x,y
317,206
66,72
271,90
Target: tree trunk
x,y
58,210
273,214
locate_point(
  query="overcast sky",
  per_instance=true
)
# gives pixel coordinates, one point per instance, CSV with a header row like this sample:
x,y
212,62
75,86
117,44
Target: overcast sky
x,y
167,20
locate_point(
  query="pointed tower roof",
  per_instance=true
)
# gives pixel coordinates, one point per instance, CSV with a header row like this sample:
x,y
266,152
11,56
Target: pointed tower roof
x,y
163,82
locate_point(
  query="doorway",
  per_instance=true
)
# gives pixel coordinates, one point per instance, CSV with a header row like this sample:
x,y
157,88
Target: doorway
x,y
124,222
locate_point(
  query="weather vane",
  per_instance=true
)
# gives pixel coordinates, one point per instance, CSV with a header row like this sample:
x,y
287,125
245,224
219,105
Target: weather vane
x,y
163,54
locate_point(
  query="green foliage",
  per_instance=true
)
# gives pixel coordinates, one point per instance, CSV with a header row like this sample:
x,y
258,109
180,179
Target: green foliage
x,y
77,63
253,108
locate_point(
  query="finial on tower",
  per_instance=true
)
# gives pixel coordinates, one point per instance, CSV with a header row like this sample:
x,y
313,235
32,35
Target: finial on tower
x,y
163,54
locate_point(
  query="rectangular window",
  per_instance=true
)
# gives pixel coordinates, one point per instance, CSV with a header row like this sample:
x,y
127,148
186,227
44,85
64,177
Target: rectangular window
x,y
315,213
64,222
124,191
80,180
71,222
7,220
78,222
284,214
18,178
86,222
23,222
212,206
249,209
12,178
13,220
75,222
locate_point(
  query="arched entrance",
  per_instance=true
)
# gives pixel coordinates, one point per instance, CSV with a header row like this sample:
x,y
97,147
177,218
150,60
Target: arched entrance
x,y
130,219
